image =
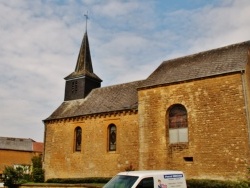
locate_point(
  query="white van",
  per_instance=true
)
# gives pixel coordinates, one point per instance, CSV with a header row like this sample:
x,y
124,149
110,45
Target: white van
x,y
148,179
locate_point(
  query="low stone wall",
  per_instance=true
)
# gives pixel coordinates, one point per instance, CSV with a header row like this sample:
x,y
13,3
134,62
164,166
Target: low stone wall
x,y
55,185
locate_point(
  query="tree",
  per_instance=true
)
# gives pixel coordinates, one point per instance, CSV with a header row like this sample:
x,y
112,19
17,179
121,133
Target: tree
x,y
19,174
37,172
16,175
10,176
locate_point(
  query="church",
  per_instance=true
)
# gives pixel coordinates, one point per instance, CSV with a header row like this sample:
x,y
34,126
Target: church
x,y
190,114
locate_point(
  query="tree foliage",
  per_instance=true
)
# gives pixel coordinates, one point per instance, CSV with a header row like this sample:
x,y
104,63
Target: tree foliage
x,y
23,173
37,172
16,175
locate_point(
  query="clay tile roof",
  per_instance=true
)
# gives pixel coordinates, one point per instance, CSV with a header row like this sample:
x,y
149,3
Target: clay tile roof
x,y
38,146
101,100
209,63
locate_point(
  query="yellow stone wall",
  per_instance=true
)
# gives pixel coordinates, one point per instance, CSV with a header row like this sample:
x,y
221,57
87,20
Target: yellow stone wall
x,y
217,132
94,160
217,128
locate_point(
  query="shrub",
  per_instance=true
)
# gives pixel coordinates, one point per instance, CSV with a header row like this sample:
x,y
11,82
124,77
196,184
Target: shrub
x,y
10,176
38,175
38,172
15,176
79,180
194,183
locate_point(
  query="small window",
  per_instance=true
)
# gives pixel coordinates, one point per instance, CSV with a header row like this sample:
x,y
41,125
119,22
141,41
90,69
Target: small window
x,y
178,125
146,183
78,138
112,137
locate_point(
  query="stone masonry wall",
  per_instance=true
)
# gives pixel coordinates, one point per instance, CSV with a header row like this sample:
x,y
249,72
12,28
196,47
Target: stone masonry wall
x,y
94,160
217,145
54,185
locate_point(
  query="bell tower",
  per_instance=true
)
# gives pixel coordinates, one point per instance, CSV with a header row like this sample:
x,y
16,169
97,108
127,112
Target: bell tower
x,y
80,82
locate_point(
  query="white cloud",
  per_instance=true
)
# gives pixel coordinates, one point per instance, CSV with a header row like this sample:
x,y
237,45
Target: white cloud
x,y
220,26
114,9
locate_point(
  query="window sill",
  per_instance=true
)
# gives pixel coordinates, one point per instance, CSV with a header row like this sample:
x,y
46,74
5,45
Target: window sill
x,y
179,146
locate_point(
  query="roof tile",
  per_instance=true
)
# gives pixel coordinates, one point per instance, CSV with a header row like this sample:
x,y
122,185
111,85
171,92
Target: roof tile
x,y
124,96
101,100
209,63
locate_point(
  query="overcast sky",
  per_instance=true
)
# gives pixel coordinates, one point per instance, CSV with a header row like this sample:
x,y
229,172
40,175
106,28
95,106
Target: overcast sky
x,y
40,41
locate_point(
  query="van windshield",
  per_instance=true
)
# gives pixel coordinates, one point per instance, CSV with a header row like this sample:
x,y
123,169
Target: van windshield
x,y
121,181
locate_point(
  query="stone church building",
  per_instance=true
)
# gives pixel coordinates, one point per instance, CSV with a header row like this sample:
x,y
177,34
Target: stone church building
x,y
190,114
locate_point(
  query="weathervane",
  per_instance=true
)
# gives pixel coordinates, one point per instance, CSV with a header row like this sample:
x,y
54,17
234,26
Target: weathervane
x,y
87,17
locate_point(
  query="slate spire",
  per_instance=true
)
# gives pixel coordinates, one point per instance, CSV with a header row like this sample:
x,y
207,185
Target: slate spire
x,y
80,82
84,62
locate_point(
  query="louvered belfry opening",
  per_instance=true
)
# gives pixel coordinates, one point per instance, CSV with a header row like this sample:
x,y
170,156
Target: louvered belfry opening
x,y
80,82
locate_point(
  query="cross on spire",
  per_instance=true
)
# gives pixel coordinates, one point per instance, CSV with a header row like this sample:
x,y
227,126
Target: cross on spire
x,y
87,17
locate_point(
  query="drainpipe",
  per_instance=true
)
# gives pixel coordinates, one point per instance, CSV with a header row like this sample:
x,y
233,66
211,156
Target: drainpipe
x,y
44,139
245,93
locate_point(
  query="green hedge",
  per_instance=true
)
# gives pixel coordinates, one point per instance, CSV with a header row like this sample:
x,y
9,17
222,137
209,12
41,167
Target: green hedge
x,y
79,180
204,183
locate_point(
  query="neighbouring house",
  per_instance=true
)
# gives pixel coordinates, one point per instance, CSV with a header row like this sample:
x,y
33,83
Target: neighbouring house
x,y
190,114
18,152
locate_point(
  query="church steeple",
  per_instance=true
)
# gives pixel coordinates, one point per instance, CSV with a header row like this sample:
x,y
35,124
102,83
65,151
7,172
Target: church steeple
x,y
84,62
80,82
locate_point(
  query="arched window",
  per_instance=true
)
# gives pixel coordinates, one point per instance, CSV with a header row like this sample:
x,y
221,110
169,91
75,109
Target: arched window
x,y
112,137
78,138
178,125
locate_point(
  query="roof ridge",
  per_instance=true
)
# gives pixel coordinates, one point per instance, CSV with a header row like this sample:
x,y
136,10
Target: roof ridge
x,y
208,51
17,138
218,61
125,83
